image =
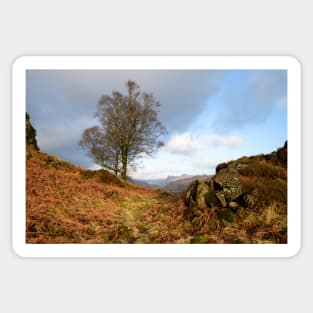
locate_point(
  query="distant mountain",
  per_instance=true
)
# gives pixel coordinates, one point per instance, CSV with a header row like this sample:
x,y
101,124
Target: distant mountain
x,y
180,185
149,183
172,184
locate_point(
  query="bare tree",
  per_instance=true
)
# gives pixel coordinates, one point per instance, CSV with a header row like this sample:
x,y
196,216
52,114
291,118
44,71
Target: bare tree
x,y
129,129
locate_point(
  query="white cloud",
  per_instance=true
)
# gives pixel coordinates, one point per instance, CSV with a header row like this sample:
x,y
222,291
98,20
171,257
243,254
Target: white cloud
x,y
162,167
182,143
185,143
149,171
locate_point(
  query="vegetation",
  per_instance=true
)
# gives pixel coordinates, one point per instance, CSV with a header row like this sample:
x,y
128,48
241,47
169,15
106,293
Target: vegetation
x,y
68,204
129,129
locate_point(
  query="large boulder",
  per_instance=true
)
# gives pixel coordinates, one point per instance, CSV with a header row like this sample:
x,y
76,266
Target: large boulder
x,y
228,181
223,190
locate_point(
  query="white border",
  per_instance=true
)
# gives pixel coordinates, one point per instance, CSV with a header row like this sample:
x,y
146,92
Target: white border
x,y
156,62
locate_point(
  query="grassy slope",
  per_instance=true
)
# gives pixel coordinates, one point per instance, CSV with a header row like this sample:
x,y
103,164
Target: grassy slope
x,y
67,204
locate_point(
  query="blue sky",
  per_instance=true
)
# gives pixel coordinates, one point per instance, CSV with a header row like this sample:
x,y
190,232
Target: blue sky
x,y
211,116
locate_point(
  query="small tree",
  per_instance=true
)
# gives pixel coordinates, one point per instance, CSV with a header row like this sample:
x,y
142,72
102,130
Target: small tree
x,y
129,129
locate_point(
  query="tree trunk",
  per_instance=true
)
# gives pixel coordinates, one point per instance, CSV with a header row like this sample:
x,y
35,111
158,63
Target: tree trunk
x,y
124,164
116,164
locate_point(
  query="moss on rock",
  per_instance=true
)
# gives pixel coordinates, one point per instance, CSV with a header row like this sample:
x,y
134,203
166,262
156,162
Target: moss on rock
x,y
227,215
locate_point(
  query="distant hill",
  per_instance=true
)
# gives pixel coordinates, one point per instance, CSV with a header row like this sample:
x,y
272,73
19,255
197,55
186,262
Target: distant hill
x,y
171,184
148,183
180,185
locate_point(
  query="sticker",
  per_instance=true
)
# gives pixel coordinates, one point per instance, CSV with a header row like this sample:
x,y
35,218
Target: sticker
x,y
156,156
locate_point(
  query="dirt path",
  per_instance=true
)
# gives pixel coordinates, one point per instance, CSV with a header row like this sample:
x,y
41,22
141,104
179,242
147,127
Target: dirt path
x,y
143,217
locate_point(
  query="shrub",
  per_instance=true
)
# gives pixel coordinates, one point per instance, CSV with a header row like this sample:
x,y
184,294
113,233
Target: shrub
x,y
227,215
102,176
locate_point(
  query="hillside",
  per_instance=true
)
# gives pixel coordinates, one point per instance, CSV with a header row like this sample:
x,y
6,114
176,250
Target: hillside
x,y
68,204
245,202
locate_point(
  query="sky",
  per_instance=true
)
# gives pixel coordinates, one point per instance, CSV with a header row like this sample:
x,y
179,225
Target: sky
x,y
211,116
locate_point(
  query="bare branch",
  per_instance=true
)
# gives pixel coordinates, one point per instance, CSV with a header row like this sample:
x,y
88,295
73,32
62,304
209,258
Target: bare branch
x,y
129,129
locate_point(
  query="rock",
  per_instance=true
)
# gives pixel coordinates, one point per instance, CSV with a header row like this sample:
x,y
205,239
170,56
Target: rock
x,y
211,198
191,192
233,205
220,196
228,180
220,166
196,198
202,190
224,175
224,187
30,133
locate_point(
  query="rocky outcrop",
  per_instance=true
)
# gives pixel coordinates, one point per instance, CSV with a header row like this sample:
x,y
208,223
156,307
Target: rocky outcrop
x,y
227,182
225,189
248,183
30,133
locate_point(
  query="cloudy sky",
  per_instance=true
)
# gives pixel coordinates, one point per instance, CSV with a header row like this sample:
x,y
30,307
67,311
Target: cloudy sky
x,y
211,116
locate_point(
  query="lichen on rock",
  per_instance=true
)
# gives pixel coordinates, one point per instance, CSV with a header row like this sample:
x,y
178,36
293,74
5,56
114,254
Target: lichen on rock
x,y
229,181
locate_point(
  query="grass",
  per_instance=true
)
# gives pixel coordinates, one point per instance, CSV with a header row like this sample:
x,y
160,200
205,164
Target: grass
x,y
67,204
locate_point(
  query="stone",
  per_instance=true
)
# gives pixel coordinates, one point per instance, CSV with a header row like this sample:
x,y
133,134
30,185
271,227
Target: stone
x,y
228,180
225,175
195,199
211,198
191,192
233,205
220,196
220,166
30,133
202,190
